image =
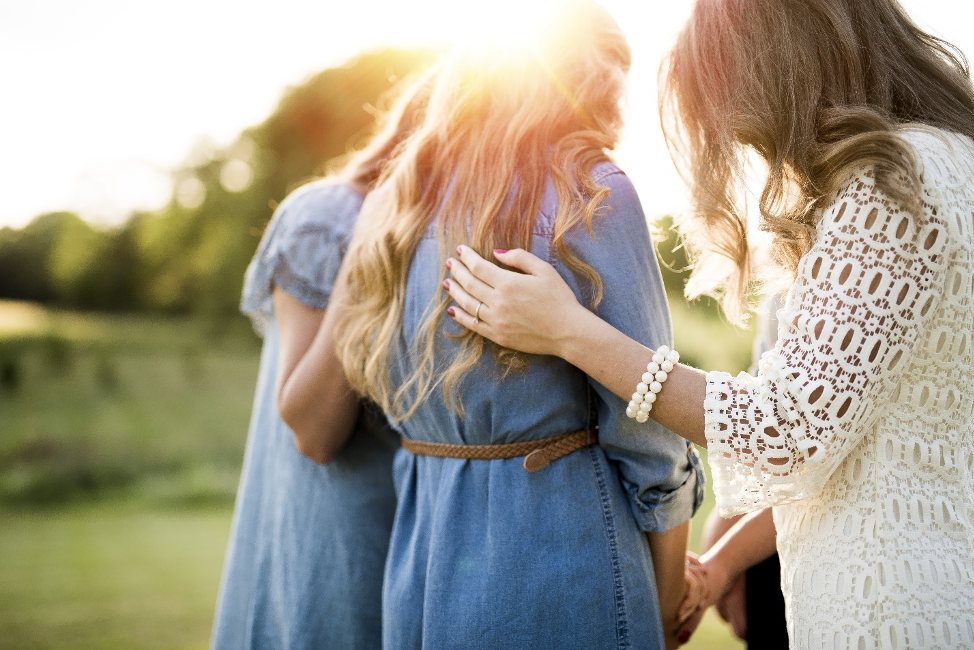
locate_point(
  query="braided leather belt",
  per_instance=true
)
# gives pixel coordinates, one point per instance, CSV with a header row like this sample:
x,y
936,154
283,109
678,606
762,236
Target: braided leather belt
x,y
537,453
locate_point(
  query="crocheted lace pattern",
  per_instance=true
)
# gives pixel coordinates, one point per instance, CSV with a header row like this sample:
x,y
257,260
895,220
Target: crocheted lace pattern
x,y
858,426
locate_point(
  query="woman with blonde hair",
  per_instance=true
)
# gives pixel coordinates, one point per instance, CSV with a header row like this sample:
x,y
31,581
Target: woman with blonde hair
x,y
530,513
310,532
857,427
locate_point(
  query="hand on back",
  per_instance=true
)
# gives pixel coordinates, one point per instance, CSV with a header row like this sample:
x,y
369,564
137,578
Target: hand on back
x,y
529,311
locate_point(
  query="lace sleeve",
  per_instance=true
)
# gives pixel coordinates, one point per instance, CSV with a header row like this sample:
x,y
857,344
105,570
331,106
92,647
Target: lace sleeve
x,y
863,292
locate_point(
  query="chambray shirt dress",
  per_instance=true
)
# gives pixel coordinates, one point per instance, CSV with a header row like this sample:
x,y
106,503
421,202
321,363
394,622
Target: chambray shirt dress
x,y
304,565
487,555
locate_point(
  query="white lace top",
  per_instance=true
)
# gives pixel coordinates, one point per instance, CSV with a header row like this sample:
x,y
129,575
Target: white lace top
x,y
858,427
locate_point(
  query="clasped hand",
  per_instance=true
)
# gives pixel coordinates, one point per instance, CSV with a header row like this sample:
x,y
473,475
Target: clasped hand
x,y
708,585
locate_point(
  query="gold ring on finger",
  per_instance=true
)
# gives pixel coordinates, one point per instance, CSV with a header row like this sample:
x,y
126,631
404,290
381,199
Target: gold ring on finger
x,y
476,313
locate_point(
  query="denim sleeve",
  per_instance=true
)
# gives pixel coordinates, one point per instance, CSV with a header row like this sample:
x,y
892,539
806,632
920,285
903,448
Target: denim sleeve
x,y
661,471
301,250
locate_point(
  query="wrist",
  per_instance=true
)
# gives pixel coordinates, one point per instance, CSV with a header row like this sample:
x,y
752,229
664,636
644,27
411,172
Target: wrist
x,y
580,331
721,571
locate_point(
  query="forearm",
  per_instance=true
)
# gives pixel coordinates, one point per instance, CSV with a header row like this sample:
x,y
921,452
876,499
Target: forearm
x,y
714,528
749,542
617,362
668,551
314,398
317,402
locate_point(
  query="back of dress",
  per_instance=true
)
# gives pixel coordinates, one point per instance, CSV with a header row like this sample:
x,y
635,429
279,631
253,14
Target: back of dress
x,y
487,554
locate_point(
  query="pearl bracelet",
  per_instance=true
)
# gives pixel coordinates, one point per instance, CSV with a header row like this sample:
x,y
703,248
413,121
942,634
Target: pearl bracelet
x,y
656,373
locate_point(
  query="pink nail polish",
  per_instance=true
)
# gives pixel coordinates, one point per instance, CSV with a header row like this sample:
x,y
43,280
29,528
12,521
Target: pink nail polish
x,y
446,285
452,312
500,251
449,263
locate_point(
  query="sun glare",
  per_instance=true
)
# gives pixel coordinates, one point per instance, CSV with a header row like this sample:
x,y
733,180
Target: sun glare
x,y
508,28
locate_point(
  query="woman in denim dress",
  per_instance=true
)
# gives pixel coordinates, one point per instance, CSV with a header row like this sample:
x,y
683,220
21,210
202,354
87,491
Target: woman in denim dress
x,y
309,539
484,553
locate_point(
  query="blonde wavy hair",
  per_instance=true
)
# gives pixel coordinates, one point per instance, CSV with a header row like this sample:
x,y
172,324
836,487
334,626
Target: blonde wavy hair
x,y
498,126
817,88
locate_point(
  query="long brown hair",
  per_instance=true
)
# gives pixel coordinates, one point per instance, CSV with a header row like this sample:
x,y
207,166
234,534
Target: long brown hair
x,y
816,88
498,125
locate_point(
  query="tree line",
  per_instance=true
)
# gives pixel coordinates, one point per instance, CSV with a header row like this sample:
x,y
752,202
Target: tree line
x,y
190,256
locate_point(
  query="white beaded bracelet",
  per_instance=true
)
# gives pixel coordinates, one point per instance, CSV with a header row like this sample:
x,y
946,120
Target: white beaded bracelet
x,y
652,382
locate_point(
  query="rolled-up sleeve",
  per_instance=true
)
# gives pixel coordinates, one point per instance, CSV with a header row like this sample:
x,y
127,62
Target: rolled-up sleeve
x,y
660,471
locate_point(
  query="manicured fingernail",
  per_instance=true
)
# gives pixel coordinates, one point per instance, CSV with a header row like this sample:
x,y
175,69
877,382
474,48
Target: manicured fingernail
x,y
500,251
446,285
684,636
451,312
449,263
459,251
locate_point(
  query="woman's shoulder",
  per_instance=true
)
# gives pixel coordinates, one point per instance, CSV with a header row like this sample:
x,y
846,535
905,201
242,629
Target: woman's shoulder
x,y
621,198
323,199
944,159
301,248
622,195
925,139
604,170
309,216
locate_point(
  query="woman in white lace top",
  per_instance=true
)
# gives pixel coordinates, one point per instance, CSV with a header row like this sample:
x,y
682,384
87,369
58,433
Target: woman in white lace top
x,y
858,427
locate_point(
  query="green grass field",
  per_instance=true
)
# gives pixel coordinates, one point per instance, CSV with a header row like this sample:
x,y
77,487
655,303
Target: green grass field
x,y
121,439
96,406
112,576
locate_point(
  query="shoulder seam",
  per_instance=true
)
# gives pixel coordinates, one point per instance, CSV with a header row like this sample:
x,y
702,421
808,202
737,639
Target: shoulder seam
x,y
612,169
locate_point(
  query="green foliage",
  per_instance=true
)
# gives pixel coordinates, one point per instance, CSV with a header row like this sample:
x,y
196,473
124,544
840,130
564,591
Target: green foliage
x,y
122,405
190,256
195,251
24,256
60,258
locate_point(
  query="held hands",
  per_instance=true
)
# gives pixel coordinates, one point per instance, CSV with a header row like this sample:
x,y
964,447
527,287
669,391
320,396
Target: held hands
x,y
709,583
693,606
530,311
732,607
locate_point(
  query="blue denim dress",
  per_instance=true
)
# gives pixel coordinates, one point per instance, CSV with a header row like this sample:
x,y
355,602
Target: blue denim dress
x,y
308,544
487,555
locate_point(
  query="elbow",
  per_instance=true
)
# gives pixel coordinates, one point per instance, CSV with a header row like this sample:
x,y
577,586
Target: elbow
x,y
322,426
290,415
308,438
312,440
313,449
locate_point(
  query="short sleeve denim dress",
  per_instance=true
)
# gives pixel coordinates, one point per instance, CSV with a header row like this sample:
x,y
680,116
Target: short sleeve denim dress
x,y
485,554
304,565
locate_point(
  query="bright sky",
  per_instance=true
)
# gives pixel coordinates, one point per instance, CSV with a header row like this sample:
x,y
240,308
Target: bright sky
x,y
102,98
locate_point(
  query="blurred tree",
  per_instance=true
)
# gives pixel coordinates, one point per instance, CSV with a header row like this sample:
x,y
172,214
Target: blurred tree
x,y
24,256
196,250
675,267
190,256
